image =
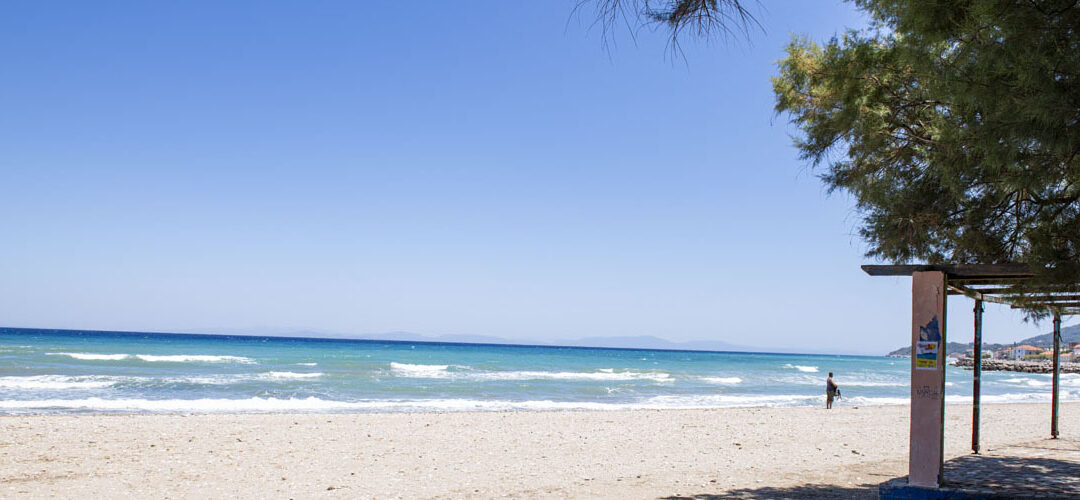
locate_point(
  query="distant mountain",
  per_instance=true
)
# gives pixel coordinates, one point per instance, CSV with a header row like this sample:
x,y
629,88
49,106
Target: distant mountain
x,y
625,342
650,342
1046,340
949,348
1068,334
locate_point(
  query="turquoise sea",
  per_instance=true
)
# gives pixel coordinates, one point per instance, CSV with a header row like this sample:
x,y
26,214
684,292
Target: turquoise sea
x,y
48,371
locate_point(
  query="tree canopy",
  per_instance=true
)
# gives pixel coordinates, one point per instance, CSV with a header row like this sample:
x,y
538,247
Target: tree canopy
x,y
955,126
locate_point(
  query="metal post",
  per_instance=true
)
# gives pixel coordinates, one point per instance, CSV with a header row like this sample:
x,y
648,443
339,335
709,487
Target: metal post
x,y
977,378
1057,370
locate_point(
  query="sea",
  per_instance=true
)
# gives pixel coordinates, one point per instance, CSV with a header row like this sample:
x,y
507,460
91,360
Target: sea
x,y
73,372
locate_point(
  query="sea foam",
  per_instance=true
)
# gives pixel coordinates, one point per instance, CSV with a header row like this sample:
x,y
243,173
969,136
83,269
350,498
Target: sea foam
x,y
175,358
722,380
804,369
288,375
87,356
54,382
464,373
197,358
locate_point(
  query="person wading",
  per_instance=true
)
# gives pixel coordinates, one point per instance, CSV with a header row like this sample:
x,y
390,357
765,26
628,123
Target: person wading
x,y
830,391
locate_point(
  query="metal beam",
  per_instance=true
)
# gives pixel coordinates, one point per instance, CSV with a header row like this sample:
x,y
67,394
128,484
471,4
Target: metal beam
x,y
976,387
1045,305
963,290
954,271
1057,374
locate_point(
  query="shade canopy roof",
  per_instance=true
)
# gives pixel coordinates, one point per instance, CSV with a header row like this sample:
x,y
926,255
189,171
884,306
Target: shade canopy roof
x,y
992,283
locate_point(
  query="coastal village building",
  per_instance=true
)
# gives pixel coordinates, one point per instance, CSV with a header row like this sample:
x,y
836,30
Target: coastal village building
x,y
1020,351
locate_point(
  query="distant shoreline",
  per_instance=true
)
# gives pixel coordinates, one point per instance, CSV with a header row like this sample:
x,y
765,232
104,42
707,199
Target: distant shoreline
x,y
1005,365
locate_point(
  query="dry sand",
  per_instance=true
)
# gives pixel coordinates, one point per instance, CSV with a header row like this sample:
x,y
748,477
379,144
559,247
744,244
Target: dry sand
x,y
595,454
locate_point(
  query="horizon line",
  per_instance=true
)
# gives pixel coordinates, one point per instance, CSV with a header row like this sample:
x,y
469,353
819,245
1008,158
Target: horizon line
x,y
434,342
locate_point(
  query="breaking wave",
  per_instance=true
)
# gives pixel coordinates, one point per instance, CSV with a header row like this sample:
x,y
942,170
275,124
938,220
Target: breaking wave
x,y
465,373
174,358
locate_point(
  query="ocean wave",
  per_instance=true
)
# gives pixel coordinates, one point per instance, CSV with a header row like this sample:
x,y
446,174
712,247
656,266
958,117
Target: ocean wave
x,y
1028,381
256,404
722,380
197,358
463,373
307,364
730,400
287,375
869,383
313,404
804,369
55,382
420,371
88,356
173,358
598,375
226,379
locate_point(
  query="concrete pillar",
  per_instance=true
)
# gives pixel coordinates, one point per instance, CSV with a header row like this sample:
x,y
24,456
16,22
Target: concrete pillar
x,y
926,452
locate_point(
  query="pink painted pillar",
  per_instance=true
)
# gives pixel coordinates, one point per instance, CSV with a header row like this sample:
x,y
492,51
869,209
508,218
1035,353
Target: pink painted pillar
x,y
926,458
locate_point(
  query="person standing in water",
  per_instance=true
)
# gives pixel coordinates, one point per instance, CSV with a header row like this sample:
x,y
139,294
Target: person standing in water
x,y
830,391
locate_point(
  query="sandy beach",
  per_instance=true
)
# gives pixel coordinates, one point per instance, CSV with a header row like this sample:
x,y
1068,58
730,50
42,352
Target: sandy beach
x,y
596,454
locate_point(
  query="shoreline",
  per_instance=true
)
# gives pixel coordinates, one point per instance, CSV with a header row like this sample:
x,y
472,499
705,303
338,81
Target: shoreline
x,y
481,406
482,454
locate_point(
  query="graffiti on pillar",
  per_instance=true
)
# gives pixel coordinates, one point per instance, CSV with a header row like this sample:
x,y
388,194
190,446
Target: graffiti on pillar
x,y
928,392
926,348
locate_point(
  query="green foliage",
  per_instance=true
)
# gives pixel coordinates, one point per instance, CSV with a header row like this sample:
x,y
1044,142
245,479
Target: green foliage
x,y
955,126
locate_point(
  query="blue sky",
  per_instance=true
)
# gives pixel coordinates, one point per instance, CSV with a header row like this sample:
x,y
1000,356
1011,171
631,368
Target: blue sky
x,y
477,168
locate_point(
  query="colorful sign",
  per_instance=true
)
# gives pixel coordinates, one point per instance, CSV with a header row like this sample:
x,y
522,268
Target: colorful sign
x,y
926,355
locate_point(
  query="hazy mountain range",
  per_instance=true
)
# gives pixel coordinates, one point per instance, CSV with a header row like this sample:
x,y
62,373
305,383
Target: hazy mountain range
x,y
625,342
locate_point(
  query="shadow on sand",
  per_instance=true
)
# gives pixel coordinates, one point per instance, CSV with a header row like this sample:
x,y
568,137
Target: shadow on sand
x,y
1015,476
1043,469
811,491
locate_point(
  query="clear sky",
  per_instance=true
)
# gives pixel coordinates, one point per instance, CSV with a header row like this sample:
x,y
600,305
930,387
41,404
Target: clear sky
x,y
481,167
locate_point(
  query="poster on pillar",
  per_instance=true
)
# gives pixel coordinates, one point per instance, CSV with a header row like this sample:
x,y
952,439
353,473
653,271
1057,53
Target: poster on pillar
x,y
926,348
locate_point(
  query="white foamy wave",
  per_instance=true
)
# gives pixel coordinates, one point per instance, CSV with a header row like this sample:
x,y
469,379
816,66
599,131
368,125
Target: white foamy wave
x,y
465,373
419,371
441,372
196,358
1024,397
870,383
256,404
730,400
1030,382
722,380
307,364
597,375
54,382
88,356
804,369
871,401
287,375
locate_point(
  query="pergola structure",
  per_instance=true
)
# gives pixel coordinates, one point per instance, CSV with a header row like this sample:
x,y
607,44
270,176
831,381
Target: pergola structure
x,y
931,285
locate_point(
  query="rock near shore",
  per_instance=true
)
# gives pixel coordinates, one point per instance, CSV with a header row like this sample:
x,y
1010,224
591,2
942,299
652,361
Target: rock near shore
x,y
1018,366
